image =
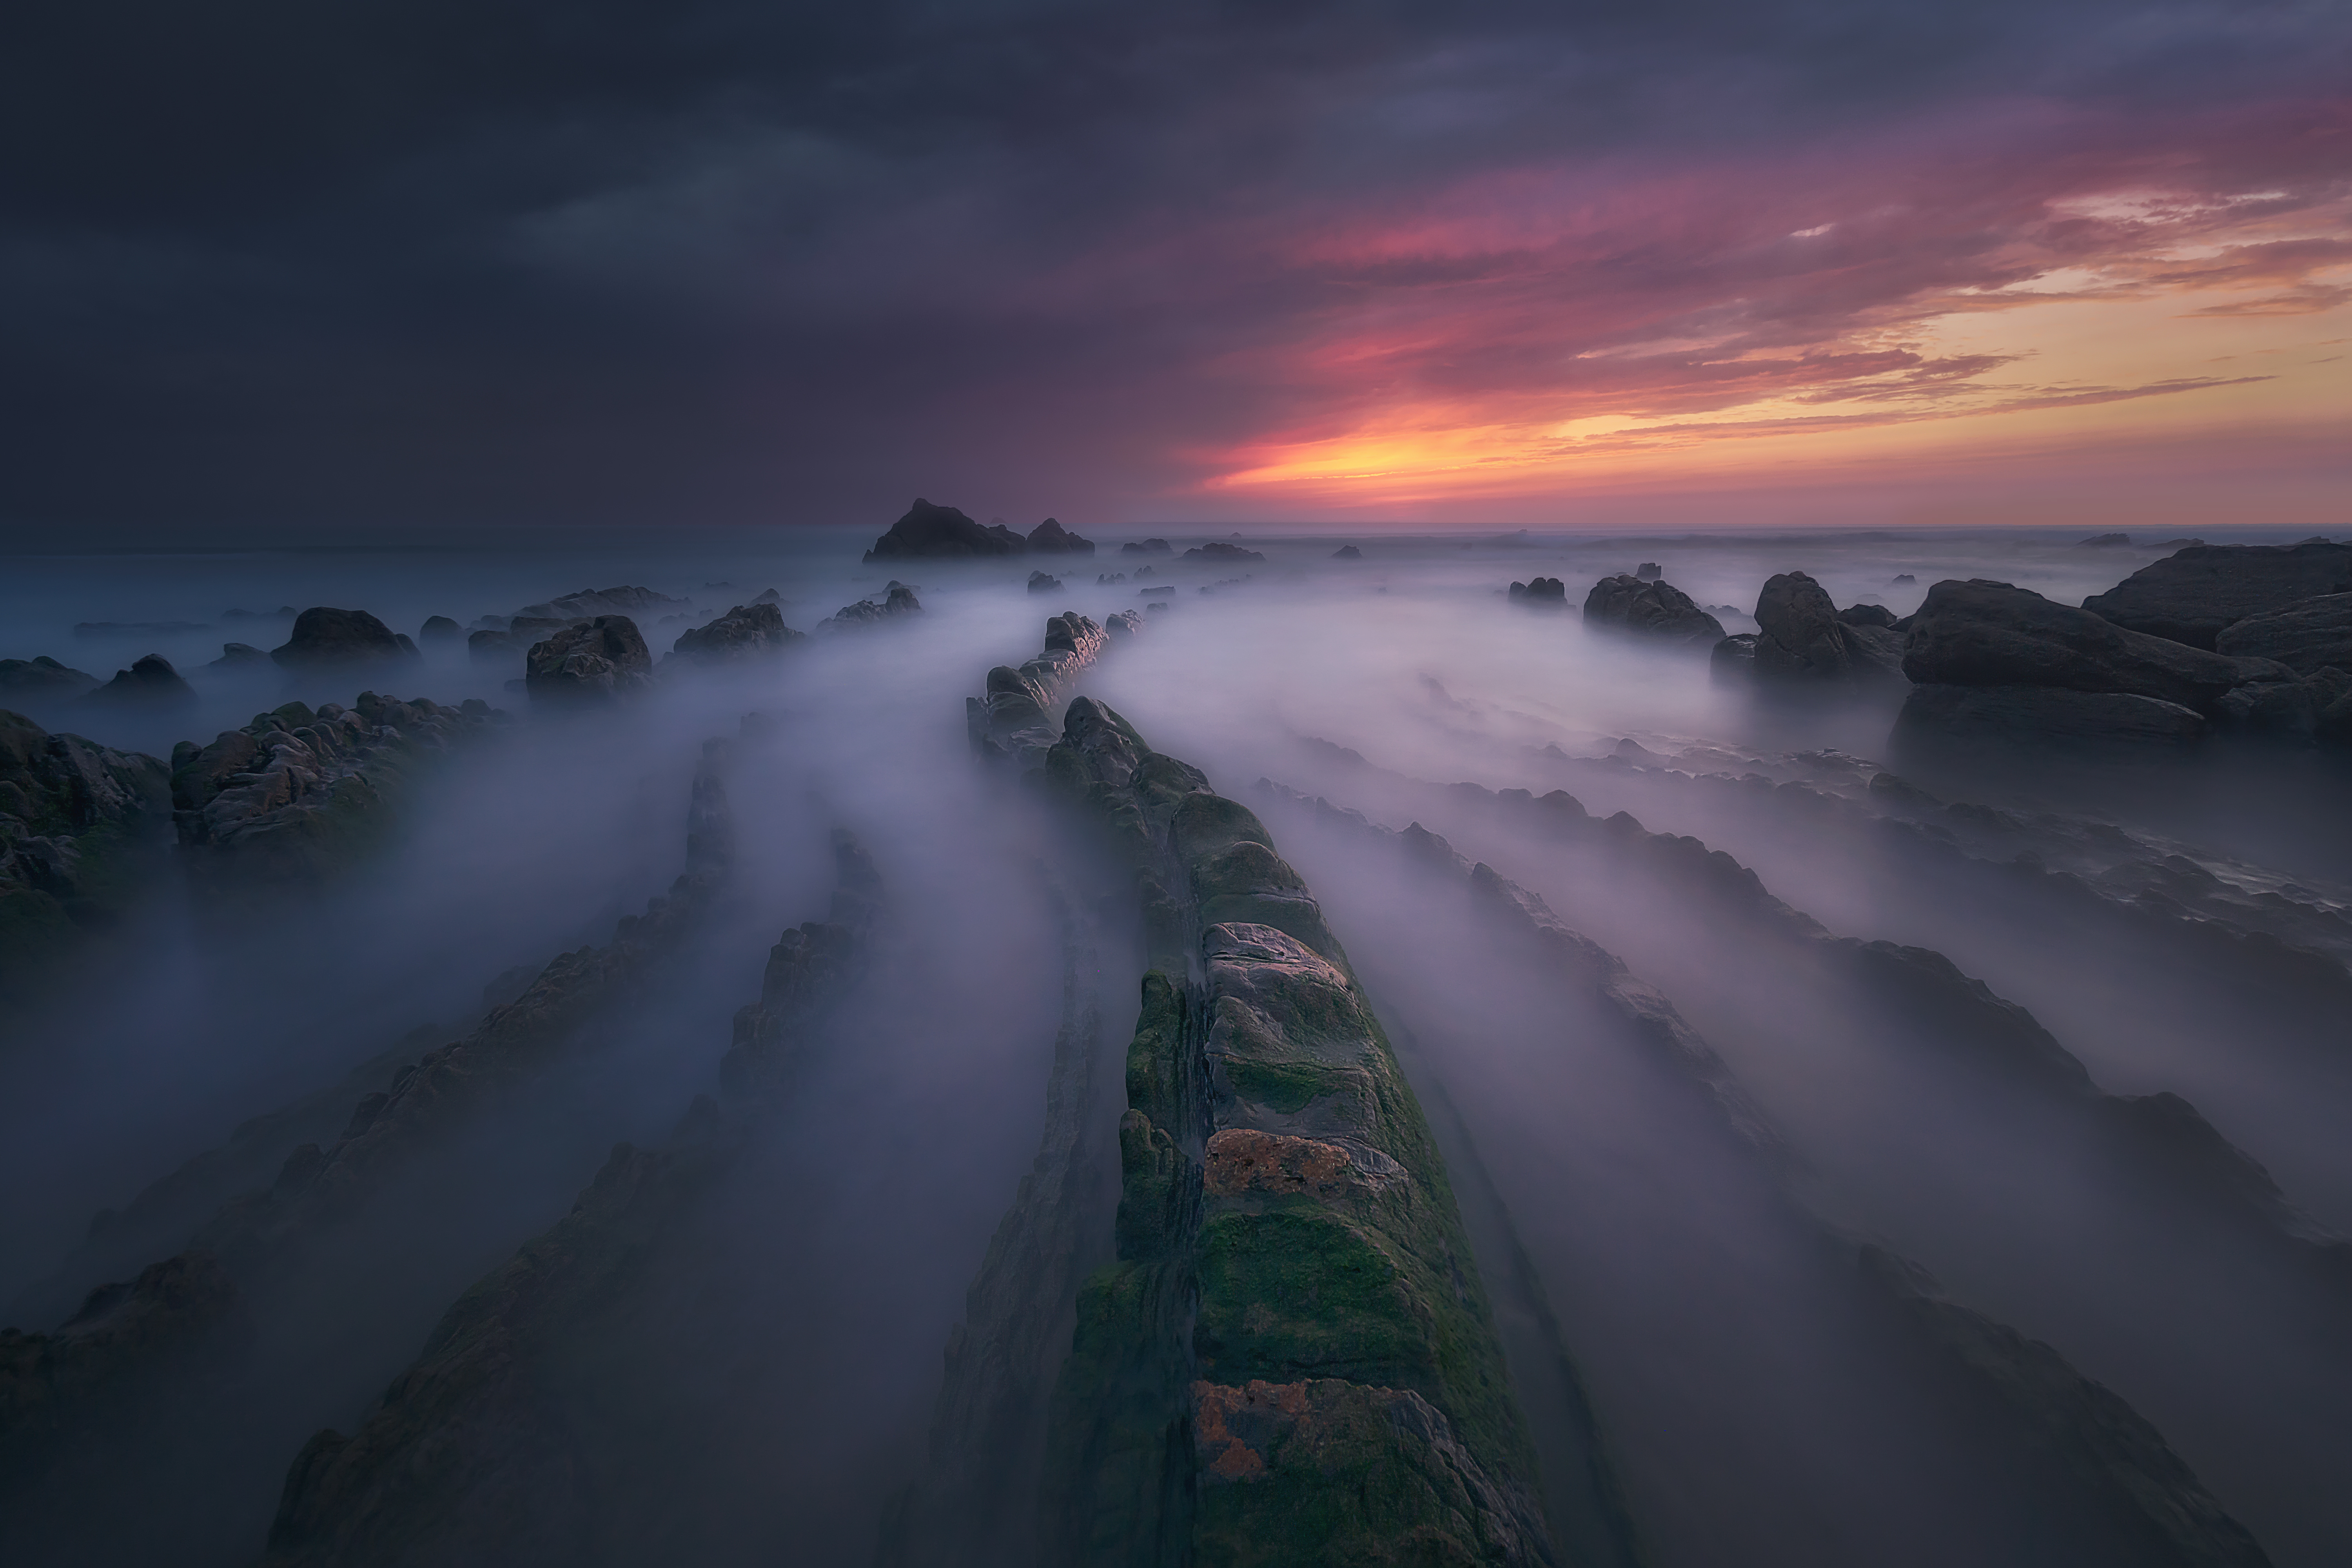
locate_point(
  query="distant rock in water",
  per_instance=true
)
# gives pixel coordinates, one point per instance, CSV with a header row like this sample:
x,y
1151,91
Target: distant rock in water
x,y
1655,609
1541,593
943,532
1041,583
746,631
1104,579
599,662
2105,541
2191,594
152,682
239,656
1903,579
1649,572
1219,551
327,639
439,628
768,597
42,679
2306,637
1347,553
1050,538
1147,547
590,603
898,599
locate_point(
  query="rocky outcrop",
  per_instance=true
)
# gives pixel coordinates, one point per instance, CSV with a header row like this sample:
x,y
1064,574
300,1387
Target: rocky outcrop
x,y
2192,595
41,680
1043,583
1219,552
150,684
1014,719
745,632
601,662
1866,616
1649,572
589,603
1050,538
1347,553
1146,547
236,656
440,629
2306,637
302,796
1541,593
1295,1317
898,599
1799,640
932,532
497,1440
325,638
1650,608
81,834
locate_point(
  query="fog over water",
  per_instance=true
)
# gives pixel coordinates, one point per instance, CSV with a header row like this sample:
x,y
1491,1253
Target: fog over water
x,y
756,1375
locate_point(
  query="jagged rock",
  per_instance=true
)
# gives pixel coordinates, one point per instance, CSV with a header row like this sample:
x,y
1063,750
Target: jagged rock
x,y
744,632
327,639
1800,638
602,661
1347,553
589,603
239,656
300,797
1146,547
1649,572
1218,549
1654,609
439,628
42,680
1980,633
899,600
2046,716
928,531
2306,637
79,824
152,682
1041,583
1541,593
2191,594
1015,718
1050,537
1866,616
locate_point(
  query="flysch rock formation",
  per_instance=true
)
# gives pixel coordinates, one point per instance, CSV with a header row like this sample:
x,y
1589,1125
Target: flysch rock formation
x,y
1651,607
2194,594
497,1443
2078,1432
302,795
81,832
1015,718
263,1237
1292,1361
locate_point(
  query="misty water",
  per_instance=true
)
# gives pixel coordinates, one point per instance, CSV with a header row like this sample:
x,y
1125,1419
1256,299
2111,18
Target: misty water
x,y
772,1374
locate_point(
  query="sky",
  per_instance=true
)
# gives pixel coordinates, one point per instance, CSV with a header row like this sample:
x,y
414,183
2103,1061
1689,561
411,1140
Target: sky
x,y
1677,263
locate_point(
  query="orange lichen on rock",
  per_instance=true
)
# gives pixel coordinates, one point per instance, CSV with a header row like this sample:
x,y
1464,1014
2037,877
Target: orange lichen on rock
x,y
1241,1160
1233,1428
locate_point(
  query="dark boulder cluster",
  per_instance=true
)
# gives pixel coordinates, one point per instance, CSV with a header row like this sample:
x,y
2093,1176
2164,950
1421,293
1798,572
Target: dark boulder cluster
x,y
2194,594
1542,594
1045,583
301,795
79,826
1653,609
929,531
1803,641
588,664
746,631
897,599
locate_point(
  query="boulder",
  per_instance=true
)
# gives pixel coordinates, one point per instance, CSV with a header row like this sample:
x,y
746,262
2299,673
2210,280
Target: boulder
x,y
1801,640
42,679
601,662
1542,594
152,682
2193,594
439,628
1733,660
1347,553
1866,616
327,639
2045,717
2306,637
1655,609
1147,547
1218,549
942,531
1041,583
1980,633
744,632
1050,538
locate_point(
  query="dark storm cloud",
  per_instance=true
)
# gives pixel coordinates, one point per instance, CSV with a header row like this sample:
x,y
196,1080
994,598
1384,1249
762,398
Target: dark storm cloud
x,y
287,263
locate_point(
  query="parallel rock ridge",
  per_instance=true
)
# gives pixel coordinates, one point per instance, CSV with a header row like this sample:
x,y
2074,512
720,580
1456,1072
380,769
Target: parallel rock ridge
x,y
1014,719
300,794
1293,1360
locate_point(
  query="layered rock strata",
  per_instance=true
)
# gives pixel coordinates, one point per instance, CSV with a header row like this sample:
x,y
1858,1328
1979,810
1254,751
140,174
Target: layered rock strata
x,y
302,795
1014,719
1293,1360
